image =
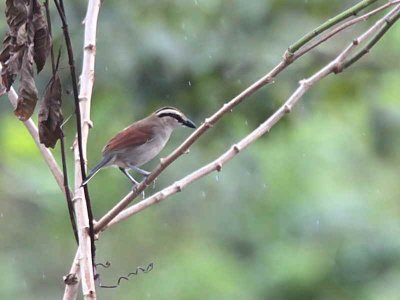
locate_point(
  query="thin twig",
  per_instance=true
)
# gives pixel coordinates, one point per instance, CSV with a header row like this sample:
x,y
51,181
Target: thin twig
x,y
46,6
352,11
67,193
389,21
60,7
343,26
70,205
381,26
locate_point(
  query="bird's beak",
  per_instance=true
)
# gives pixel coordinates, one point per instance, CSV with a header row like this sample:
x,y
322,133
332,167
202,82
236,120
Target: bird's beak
x,y
189,123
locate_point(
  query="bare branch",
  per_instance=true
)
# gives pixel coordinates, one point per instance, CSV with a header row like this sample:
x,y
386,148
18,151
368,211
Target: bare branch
x,y
343,26
288,58
46,153
209,122
381,26
85,93
72,280
80,155
217,164
352,11
388,22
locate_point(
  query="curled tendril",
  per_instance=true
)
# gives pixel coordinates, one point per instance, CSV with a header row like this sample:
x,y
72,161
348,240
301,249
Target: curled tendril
x,y
145,270
105,266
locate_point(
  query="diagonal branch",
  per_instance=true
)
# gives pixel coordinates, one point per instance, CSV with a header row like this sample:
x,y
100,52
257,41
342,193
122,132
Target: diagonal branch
x,y
288,58
101,225
342,27
209,122
352,11
46,153
389,21
380,27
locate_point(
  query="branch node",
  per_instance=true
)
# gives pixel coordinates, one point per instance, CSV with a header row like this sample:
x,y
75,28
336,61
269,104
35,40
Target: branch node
x,y
305,83
76,198
269,79
159,197
90,47
89,123
77,160
178,186
287,108
338,68
236,148
162,161
86,228
218,167
74,143
288,56
207,123
70,279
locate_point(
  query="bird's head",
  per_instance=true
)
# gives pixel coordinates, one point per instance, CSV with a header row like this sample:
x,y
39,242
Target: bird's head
x,y
172,117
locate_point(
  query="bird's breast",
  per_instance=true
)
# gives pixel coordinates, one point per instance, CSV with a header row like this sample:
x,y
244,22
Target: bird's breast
x,y
139,155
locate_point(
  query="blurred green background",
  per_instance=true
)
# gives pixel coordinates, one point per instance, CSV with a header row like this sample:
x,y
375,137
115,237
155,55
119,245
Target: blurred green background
x,y
310,211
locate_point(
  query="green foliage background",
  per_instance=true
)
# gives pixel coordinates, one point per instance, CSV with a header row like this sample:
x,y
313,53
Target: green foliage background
x,y
310,211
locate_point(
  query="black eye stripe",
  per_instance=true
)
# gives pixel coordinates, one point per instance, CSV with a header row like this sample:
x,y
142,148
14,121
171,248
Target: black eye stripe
x,y
172,115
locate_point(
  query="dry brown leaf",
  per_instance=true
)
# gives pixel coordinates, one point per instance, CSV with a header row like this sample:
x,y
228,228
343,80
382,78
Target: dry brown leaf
x,y
17,12
50,114
27,41
15,41
7,45
42,39
27,89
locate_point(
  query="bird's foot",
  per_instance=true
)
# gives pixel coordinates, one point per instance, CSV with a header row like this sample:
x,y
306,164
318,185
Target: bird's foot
x,y
135,189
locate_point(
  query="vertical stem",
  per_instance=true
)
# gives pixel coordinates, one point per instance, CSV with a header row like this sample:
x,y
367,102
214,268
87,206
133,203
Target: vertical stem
x,y
67,191
85,94
82,199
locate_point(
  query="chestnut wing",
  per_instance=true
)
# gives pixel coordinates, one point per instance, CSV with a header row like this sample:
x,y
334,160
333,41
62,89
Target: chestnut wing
x,y
135,135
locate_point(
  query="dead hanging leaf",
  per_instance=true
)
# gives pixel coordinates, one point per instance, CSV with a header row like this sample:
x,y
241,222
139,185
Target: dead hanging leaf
x,y
17,12
50,115
5,53
27,89
12,68
27,41
42,38
15,41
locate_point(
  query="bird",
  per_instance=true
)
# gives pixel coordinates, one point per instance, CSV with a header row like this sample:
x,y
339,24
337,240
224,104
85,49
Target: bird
x,y
140,142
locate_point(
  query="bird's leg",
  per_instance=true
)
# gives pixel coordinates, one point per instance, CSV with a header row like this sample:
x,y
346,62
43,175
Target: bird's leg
x,y
140,171
135,183
129,176
143,172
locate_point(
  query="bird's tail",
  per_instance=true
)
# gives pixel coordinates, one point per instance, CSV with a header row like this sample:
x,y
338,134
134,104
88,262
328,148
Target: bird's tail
x,y
96,169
